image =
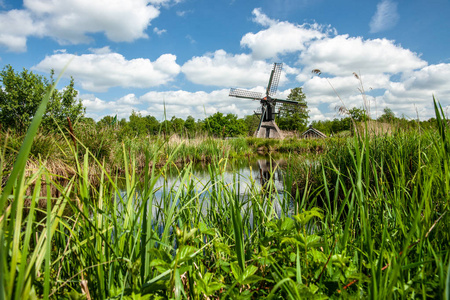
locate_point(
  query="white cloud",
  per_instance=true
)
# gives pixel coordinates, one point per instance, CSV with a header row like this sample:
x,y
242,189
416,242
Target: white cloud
x,y
72,21
103,69
119,20
385,17
159,31
223,69
418,88
262,19
343,55
280,37
15,26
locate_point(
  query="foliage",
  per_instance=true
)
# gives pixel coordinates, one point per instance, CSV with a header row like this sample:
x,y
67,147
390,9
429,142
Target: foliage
x,y
225,125
358,114
21,94
387,116
294,117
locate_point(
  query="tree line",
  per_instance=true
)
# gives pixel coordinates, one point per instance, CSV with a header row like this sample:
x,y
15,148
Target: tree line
x,y
358,115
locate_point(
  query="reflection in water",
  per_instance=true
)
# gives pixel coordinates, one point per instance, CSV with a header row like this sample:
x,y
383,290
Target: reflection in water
x,y
241,176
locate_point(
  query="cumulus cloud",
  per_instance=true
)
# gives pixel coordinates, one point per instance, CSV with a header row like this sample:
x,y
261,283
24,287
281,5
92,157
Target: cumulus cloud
x,y
343,55
119,20
72,21
103,69
223,69
15,27
418,87
280,37
385,17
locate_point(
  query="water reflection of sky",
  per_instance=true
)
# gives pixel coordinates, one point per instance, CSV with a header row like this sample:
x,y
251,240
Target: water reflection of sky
x,y
244,175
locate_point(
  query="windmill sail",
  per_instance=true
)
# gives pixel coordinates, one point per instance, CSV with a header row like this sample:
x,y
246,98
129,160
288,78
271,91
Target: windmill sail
x,y
245,94
274,79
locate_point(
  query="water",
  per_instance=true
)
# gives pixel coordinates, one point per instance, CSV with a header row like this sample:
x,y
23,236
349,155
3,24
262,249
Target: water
x,y
239,175
246,172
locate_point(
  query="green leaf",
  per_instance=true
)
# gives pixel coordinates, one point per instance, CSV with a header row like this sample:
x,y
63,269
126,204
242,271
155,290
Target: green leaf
x,y
185,253
236,270
221,247
287,224
304,217
250,270
291,241
205,230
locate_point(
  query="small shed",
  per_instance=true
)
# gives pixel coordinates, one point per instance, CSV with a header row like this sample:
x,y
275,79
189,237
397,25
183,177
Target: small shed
x,y
313,133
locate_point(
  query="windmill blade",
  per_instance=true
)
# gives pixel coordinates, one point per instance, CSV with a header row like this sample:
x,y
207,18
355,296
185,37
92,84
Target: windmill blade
x,y
274,79
287,102
245,94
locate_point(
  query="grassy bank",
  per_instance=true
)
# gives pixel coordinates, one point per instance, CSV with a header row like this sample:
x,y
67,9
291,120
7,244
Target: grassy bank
x,y
368,220
59,153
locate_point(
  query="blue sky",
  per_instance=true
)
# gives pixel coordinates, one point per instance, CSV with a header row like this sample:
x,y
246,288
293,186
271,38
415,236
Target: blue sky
x,y
182,56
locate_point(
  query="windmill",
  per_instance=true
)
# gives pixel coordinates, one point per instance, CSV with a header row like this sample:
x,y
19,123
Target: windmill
x,y
267,127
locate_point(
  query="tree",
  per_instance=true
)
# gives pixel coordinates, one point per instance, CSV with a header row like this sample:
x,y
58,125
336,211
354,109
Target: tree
x,y
190,126
21,94
137,124
225,126
294,117
358,114
63,104
152,124
387,116
177,125
251,122
106,121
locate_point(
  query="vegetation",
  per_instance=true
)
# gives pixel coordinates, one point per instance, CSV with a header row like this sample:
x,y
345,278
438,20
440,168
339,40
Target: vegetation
x,y
22,93
294,117
376,226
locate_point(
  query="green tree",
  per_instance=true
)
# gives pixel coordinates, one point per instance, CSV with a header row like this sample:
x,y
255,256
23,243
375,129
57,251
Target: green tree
x,y
225,126
21,94
177,125
64,104
387,116
152,125
294,117
137,124
106,121
358,114
190,126
251,122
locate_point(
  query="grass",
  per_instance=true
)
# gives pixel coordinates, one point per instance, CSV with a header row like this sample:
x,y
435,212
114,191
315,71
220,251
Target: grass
x,y
369,219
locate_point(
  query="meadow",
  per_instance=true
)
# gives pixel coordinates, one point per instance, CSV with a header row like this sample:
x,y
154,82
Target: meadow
x,y
367,219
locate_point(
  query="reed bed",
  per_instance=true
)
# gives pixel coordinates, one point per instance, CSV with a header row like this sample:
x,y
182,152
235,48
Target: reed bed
x,y
376,226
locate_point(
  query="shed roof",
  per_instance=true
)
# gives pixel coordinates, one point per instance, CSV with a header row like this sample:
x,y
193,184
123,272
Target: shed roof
x,y
314,131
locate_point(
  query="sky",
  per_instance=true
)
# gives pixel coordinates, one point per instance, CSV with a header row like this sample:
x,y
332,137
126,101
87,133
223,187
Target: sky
x,y
180,57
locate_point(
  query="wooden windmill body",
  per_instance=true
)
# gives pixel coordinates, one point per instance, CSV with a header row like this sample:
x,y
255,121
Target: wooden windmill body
x,y
270,106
